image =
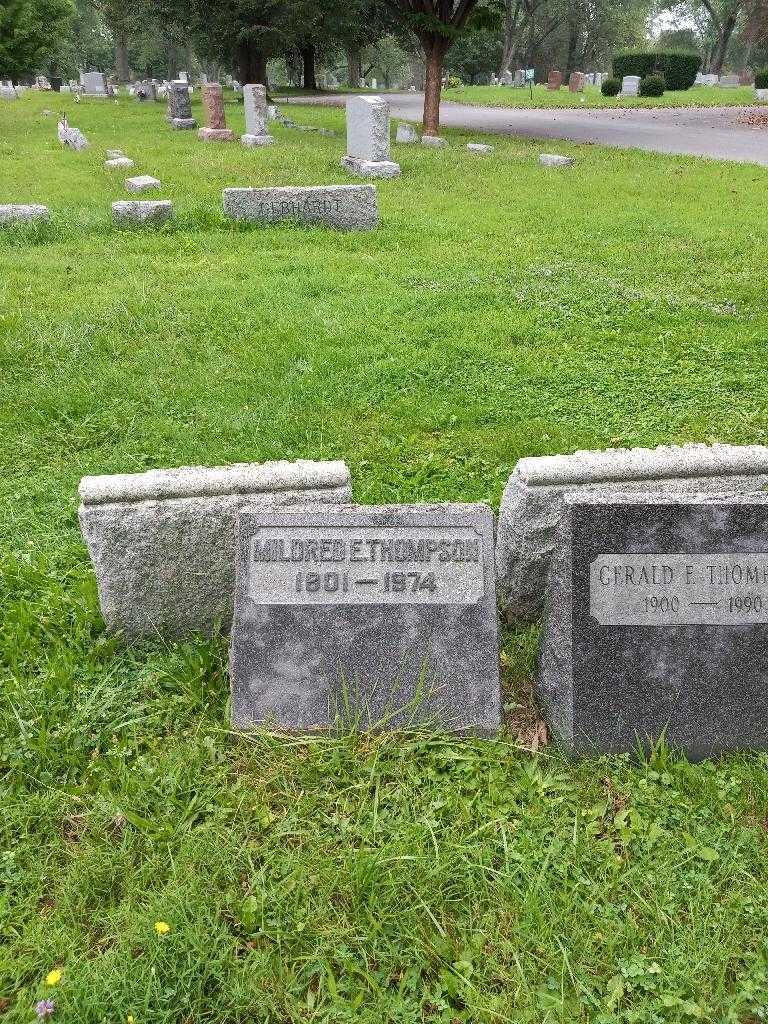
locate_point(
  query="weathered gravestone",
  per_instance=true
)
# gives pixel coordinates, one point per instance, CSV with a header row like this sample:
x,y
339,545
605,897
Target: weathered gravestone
x,y
349,207
375,616
162,543
255,105
368,138
142,183
179,107
630,85
406,133
729,81
533,499
555,160
94,84
576,82
554,80
22,213
142,212
657,623
215,129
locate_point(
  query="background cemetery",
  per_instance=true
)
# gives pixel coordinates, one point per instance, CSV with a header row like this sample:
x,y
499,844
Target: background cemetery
x,y
196,272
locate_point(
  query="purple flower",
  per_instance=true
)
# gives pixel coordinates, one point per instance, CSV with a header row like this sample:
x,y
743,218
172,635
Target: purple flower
x,y
45,1008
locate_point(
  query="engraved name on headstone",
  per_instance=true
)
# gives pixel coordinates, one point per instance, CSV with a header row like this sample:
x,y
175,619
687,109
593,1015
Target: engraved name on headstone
x,y
657,623
381,616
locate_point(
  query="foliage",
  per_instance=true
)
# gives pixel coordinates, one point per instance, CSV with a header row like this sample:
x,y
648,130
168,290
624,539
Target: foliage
x,y
652,85
475,55
591,98
761,79
678,39
28,34
453,82
679,68
611,87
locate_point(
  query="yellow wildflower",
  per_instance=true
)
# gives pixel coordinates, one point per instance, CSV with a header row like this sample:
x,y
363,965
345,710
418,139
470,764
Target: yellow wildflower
x,y
129,1019
162,927
54,977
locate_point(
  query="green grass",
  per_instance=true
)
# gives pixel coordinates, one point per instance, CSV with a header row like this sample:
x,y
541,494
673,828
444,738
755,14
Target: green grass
x,y
505,96
500,310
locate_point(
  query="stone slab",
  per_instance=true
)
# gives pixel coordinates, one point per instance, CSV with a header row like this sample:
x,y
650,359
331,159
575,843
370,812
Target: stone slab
x,y
255,108
370,168
406,133
657,623
381,617
94,83
433,140
114,154
142,182
119,163
349,207
253,141
367,128
479,147
533,499
555,160
141,212
72,138
22,213
183,123
630,85
213,107
216,135
162,543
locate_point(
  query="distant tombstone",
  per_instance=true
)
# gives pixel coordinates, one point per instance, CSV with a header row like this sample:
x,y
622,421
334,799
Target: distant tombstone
x,y
94,83
479,147
746,77
729,81
146,92
373,84
630,85
494,80
179,107
519,80
576,82
657,623
142,212
255,105
348,207
8,92
554,80
598,79
366,617
507,78
406,133
215,129
72,138
118,163
184,77
555,160
368,149
17,213
435,141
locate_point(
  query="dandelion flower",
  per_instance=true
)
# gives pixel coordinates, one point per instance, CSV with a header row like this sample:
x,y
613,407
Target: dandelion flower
x,y
54,977
162,927
129,1019
45,1008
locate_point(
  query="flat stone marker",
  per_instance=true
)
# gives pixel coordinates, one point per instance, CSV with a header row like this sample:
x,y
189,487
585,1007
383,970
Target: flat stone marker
x,y
368,152
379,616
142,212
162,543
406,133
554,160
22,213
479,147
657,622
114,154
142,182
119,163
215,129
255,106
533,500
349,207
433,140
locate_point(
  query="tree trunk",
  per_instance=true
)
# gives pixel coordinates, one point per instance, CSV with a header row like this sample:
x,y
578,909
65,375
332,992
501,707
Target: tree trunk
x,y
416,65
353,67
121,56
434,52
509,46
308,60
173,60
251,64
723,39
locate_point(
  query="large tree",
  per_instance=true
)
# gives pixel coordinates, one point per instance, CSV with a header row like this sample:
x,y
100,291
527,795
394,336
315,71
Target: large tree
x,y
29,31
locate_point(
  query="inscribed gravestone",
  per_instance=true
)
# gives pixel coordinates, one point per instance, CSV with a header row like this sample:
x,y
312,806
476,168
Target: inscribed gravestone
x,y
179,107
630,85
215,129
554,80
255,105
94,83
349,207
657,622
379,616
368,149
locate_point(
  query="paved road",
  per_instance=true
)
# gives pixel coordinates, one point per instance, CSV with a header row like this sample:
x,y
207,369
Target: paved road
x,y
711,132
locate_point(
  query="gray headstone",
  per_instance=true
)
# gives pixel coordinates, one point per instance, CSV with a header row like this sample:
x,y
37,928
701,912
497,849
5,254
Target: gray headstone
x,y
162,543
350,207
255,106
142,212
533,499
657,622
118,163
368,151
94,83
381,616
179,106
15,213
433,140
479,147
406,133
142,182
554,160
729,81
630,85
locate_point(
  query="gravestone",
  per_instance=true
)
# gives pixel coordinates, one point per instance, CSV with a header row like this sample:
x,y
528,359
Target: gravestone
x,y
576,82
22,213
533,499
554,80
519,79
349,207
118,163
374,616
179,107
479,147
215,129
657,623
406,133
598,79
94,83
437,141
146,92
8,92
255,105
141,183
729,81
630,85
507,78
368,138
555,160
141,212
162,543
72,138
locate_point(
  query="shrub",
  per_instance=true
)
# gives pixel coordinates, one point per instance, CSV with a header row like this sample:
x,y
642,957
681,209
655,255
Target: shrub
x,y
452,82
611,87
652,85
761,79
678,67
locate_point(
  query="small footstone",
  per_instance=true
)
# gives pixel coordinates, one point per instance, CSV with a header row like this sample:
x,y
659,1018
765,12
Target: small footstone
x,y
183,123
406,133
140,212
141,183
114,154
17,213
251,141
552,160
216,135
397,629
371,168
119,163
433,140
479,147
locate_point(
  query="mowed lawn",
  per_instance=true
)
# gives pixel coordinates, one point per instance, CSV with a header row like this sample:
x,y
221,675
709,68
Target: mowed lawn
x,y
500,310
541,97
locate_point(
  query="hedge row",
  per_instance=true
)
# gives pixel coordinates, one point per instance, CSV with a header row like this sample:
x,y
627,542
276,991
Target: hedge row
x,y
678,68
